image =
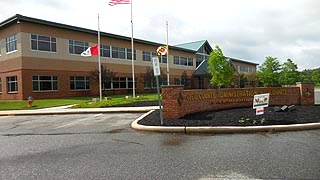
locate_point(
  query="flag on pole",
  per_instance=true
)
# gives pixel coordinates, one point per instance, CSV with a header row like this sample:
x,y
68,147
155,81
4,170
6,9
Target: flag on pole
x,y
91,51
115,2
162,50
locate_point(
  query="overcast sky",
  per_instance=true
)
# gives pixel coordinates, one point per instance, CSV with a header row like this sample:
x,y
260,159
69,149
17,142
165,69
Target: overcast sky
x,y
247,29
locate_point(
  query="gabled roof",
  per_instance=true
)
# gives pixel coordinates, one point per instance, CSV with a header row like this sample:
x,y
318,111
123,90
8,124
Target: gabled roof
x,y
194,46
201,69
19,18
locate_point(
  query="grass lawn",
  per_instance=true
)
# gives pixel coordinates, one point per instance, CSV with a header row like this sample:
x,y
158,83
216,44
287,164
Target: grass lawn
x,y
117,100
82,102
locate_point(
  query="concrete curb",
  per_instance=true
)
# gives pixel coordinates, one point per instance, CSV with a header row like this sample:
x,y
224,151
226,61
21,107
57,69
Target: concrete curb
x,y
223,129
78,111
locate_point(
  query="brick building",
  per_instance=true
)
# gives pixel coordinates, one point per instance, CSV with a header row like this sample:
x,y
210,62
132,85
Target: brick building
x,y
42,59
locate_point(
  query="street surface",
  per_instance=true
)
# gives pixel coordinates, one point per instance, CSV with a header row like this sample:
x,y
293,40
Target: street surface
x,y
103,146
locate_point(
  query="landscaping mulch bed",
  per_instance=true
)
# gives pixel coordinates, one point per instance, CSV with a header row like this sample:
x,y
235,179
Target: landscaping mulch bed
x,y
239,117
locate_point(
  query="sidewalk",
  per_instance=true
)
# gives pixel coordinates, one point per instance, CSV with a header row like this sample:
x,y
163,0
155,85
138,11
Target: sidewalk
x,y
68,110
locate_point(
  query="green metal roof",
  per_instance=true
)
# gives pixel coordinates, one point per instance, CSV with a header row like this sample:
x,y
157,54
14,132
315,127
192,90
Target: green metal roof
x,y
194,46
201,69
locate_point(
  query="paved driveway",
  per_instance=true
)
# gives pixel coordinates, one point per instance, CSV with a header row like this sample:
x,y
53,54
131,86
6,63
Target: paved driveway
x,y
102,146
59,124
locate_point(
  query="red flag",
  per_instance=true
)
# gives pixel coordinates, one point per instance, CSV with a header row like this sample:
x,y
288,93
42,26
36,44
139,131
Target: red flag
x,y
91,51
115,2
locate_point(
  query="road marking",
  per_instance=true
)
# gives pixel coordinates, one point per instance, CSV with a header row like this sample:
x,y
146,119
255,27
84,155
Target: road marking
x,y
77,122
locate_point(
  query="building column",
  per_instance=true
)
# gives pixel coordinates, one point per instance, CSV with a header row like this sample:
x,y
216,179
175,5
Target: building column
x,y
306,93
171,101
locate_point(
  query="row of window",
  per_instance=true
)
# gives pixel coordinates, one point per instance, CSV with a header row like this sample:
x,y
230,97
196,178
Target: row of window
x,y
147,56
184,61
50,83
47,83
49,44
245,69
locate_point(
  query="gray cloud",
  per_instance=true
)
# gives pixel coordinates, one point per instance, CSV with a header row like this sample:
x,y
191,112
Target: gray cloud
x,y
250,30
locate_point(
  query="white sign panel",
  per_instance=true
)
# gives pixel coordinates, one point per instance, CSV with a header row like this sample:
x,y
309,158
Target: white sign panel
x,y
260,110
261,100
156,66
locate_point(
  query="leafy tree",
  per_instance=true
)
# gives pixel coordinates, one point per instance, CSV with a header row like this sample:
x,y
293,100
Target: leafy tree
x,y
316,76
106,75
219,69
150,80
289,74
269,72
306,75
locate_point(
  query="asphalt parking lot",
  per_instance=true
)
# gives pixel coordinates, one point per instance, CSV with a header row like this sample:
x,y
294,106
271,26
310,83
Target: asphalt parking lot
x,y
72,123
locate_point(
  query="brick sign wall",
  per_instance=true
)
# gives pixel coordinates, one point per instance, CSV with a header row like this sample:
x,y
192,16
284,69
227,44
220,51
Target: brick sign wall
x,y
178,102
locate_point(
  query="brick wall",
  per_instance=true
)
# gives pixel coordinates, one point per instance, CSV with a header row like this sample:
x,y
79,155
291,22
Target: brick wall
x,y
178,102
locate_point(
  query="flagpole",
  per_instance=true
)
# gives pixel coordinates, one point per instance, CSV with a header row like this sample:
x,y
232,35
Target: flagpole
x,y
100,89
168,76
132,55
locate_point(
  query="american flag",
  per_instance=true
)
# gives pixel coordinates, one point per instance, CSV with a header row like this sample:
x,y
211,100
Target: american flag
x,y
115,2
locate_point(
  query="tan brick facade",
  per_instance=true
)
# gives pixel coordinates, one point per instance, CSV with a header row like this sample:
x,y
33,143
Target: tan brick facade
x,y
25,62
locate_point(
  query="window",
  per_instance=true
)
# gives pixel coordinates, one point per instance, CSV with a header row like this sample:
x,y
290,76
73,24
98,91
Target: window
x,y
44,83
129,56
118,52
77,47
151,83
201,57
182,81
176,60
119,83
244,69
236,67
12,84
0,86
251,70
105,51
163,59
43,43
79,82
146,56
190,62
11,43
182,61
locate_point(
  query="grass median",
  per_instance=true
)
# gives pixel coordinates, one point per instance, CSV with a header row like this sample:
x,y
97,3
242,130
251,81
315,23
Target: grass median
x,y
79,102
118,100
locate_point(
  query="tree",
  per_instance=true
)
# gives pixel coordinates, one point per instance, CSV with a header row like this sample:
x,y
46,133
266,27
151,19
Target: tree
x,y
289,74
219,69
316,76
106,76
150,80
306,75
269,72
